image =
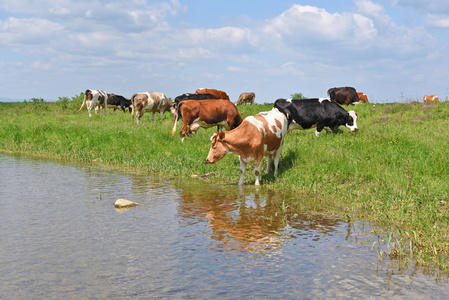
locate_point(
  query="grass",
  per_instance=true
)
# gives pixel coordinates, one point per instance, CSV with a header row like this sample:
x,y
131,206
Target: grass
x,y
393,171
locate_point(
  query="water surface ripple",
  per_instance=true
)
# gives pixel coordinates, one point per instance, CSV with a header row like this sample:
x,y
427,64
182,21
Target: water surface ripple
x,y
61,237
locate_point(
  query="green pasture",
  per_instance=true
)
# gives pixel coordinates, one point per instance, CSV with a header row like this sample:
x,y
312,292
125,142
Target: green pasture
x,y
393,171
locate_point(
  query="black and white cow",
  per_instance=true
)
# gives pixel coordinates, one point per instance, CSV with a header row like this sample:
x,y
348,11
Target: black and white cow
x,y
319,113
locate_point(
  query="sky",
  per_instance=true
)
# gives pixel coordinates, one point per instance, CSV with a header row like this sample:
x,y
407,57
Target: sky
x,y
392,50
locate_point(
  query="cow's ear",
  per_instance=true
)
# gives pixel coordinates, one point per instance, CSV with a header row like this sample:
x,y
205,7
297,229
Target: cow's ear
x,y
221,135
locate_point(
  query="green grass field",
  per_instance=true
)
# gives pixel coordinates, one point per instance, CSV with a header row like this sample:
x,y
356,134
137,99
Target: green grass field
x,y
393,171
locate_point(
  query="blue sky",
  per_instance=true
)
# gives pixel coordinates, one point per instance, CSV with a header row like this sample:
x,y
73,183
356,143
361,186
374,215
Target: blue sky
x,y
392,50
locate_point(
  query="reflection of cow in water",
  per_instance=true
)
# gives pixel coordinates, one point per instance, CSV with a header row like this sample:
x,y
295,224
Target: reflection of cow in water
x,y
234,223
343,95
245,222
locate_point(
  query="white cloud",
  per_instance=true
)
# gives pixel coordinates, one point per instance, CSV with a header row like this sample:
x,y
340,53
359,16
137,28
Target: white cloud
x,y
425,6
41,66
28,31
320,47
437,21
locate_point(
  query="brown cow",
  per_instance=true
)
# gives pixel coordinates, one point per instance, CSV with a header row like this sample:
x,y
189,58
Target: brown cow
x,y
363,98
258,136
206,114
343,95
431,98
217,93
246,98
149,101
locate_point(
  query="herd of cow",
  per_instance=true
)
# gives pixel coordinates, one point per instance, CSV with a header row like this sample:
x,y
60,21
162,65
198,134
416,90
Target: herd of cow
x,y
252,138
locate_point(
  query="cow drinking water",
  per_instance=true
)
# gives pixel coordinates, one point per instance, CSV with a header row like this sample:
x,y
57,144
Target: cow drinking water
x,y
258,136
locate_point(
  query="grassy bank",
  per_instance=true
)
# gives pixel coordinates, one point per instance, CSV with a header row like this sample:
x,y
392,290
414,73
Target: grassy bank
x,y
393,171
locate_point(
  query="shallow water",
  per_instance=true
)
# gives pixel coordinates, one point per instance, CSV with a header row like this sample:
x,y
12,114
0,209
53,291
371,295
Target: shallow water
x,y
61,237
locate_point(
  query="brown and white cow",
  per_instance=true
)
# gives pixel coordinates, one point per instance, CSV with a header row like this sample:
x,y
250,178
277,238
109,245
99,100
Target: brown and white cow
x,y
245,98
149,102
94,99
258,136
198,114
217,93
431,98
343,95
363,98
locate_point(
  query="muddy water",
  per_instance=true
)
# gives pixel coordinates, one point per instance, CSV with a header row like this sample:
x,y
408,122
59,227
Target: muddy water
x,y
61,237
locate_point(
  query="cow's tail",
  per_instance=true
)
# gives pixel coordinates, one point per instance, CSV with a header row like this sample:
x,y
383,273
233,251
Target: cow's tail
x,y
84,103
132,108
176,119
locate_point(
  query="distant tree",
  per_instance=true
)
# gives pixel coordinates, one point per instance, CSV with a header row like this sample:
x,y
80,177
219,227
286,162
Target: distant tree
x,y
297,96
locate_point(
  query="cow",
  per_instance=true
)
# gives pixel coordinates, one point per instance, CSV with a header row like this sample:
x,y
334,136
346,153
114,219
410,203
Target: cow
x,y
206,114
431,98
217,93
363,98
151,102
94,99
319,113
189,96
246,98
258,136
343,95
117,101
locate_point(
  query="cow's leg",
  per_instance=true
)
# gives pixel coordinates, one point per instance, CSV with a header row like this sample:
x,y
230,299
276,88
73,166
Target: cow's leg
x,y
257,170
277,156
184,130
242,171
162,114
89,109
105,107
138,116
152,116
269,160
319,128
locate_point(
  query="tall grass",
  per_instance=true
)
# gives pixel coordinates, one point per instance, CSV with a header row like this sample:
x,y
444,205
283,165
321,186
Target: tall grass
x,y
393,171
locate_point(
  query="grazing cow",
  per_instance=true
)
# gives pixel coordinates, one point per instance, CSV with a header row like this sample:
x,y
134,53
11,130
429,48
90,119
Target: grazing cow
x,y
258,136
188,96
246,98
206,114
431,98
117,101
343,95
151,102
363,98
95,98
319,113
217,93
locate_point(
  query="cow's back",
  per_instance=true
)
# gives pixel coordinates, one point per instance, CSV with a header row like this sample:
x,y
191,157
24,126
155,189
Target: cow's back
x,y
210,111
217,93
274,125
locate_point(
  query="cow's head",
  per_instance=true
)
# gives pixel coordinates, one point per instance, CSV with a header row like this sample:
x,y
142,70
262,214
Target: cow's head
x,y
284,107
218,148
351,120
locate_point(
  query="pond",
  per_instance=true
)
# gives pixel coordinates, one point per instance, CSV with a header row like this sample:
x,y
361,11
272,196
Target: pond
x,y
61,237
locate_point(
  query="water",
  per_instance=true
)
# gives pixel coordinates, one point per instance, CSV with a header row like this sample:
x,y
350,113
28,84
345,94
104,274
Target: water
x,y
61,237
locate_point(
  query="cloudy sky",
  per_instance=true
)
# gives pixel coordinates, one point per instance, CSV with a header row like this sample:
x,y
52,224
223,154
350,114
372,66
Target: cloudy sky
x,y
393,50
